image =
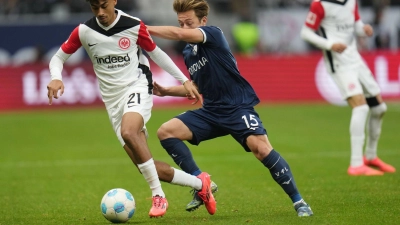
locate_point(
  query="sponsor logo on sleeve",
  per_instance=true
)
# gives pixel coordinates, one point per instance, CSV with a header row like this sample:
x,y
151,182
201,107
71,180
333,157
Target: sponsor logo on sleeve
x,y
311,18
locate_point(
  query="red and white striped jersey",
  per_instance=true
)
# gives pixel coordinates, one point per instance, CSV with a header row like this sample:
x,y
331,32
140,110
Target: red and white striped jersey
x,y
115,51
335,20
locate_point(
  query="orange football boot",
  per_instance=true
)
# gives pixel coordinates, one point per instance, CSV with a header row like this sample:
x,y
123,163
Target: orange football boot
x,y
205,193
363,170
159,207
378,163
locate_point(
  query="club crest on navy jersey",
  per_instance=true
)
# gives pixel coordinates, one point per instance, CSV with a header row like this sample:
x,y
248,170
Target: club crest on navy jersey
x,y
124,43
194,50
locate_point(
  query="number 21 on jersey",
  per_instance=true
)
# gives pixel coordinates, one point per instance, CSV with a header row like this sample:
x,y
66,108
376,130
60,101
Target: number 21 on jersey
x,y
134,99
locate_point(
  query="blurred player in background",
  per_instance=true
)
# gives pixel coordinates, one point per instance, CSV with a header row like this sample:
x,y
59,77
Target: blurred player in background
x,y
337,21
114,42
229,101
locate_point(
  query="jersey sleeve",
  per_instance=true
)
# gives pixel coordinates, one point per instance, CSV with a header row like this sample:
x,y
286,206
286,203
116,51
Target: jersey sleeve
x,y
73,43
213,36
315,15
356,13
144,39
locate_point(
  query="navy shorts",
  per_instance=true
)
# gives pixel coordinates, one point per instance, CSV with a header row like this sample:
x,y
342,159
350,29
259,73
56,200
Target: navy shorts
x,y
206,125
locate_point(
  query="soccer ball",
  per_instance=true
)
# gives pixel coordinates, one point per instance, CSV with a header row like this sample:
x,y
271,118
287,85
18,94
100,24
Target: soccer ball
x,y
118,205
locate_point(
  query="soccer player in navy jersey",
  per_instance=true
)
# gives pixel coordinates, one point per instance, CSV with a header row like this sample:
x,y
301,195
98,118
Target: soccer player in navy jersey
x,y
229,101
337,22
114,42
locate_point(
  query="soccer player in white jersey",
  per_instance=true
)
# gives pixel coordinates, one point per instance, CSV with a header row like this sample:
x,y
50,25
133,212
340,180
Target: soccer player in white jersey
x,y
337,22
114,43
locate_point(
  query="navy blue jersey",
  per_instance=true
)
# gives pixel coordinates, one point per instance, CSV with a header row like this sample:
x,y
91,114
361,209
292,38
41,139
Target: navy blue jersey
x,y
213,68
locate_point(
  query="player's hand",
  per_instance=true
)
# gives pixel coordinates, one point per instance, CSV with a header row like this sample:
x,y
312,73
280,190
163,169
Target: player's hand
x,y
158,89
369,31
338,47
193,92
52,90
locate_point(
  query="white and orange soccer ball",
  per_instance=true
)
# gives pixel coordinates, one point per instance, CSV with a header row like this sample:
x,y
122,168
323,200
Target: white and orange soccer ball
x,y
118,205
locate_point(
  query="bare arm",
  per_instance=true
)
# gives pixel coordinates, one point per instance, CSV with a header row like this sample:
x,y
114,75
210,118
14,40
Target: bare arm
x,y
166,63
177,91
176,33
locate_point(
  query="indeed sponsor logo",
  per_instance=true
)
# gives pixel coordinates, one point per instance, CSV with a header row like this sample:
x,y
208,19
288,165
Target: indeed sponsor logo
x,y
112,59
197,66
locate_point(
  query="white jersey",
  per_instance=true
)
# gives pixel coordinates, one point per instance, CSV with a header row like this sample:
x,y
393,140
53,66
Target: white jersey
x,y
116,54
335,20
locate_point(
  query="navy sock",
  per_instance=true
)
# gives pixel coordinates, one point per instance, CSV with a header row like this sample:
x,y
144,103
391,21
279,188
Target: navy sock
x,y
181,155
280,171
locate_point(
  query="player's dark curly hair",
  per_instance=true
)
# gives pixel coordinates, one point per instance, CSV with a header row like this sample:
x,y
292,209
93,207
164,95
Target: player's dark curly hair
x,y
200,7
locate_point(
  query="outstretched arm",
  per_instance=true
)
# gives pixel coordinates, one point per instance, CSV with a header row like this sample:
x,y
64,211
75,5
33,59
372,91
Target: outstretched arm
x,y
178,91
57,63
56,66
177,34
166,63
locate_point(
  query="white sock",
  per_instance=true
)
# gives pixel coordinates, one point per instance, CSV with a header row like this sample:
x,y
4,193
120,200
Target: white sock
x,y
357,134
149,172
185,179
374,130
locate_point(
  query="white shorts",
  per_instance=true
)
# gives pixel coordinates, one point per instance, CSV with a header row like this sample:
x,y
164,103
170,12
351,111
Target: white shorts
x,y
356,81
136,98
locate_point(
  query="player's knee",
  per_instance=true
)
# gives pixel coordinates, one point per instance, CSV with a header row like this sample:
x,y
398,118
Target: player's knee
x,y
360,110
161,132
164,132
128,135
259,146
379,110
260,151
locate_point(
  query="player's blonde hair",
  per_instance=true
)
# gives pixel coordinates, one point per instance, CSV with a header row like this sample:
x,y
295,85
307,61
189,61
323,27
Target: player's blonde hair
x,y
200,7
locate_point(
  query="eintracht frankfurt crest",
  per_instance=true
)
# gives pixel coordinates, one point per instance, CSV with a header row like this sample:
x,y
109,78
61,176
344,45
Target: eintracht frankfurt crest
x,y
124,43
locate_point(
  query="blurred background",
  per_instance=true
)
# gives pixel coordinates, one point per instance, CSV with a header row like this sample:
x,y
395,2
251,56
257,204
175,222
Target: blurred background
x,y
264,35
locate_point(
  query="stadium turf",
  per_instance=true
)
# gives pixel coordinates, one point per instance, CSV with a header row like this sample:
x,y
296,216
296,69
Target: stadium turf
x,y
56,165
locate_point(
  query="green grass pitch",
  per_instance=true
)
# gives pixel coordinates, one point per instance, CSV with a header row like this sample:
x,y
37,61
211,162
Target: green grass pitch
x,y
56,165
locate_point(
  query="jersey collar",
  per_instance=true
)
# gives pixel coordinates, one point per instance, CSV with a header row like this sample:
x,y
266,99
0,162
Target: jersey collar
x,y
118,12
